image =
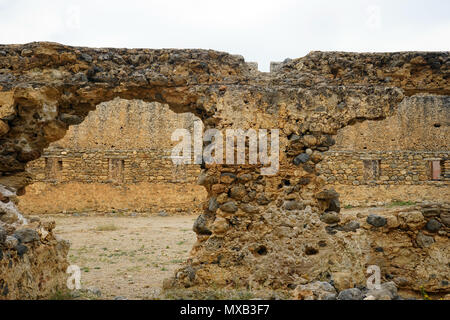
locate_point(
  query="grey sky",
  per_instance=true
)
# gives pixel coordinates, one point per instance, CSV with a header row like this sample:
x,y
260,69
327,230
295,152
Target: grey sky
x,y
261,31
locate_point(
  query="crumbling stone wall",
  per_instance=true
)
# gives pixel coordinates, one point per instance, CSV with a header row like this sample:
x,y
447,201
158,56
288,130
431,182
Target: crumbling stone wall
x,y
420,123
152,165
367,178
33,260
113,180
400,149
383,168
257,231
122,124
138,134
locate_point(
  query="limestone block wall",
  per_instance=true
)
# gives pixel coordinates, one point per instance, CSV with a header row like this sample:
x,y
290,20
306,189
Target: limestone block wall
x,y
122,124
381,177
111,166
420,123
384,167
128,142
111,181
118,159
376,162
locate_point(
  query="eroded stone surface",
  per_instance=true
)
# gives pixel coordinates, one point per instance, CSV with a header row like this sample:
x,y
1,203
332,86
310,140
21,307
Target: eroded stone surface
x,y
33,262
250,238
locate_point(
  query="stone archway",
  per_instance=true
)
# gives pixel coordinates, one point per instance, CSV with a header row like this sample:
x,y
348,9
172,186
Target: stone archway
x,y
256,231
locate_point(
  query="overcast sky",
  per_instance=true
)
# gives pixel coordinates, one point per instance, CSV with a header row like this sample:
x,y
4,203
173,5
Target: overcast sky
x,y
261,31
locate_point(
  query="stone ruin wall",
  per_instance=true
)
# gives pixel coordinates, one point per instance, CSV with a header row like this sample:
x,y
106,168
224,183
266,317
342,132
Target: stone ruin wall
x,y
127,143
377,162
279,231
117,160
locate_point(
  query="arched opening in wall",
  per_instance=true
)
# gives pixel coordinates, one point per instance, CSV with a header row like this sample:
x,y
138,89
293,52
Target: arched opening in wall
x,y
114,192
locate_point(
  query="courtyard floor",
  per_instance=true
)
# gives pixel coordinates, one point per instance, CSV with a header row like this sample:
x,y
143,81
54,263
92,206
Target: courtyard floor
x,y
126,256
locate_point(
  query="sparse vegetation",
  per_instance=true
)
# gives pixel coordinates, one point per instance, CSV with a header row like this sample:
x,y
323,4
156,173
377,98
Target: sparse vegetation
x,y
424,294
398,203
222,294
122,267
61,295
176,261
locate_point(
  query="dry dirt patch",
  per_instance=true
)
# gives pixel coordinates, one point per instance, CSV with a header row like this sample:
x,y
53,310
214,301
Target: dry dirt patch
x,y
127,256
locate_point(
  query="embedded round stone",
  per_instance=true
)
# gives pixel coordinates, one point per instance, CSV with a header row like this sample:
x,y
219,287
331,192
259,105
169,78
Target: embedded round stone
x,y
200,226
350,294
229,206
376,221
433,225
330,217
301,158
26,235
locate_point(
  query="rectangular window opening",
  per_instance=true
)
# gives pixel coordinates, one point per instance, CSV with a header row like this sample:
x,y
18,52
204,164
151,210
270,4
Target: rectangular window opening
x,y
371,169
53,168
436,170
116,168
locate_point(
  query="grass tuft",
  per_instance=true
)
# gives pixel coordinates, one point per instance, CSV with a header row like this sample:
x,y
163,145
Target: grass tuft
x,y
397,203
61,295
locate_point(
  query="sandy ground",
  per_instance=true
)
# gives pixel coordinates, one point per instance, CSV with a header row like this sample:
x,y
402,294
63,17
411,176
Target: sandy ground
x,y
126,256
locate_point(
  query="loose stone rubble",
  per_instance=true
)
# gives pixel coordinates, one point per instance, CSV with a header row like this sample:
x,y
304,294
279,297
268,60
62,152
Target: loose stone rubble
x,y
256,231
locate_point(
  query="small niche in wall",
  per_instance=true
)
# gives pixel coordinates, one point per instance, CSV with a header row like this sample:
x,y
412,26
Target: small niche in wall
x,y
53,168
116,167
436,169
371,169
